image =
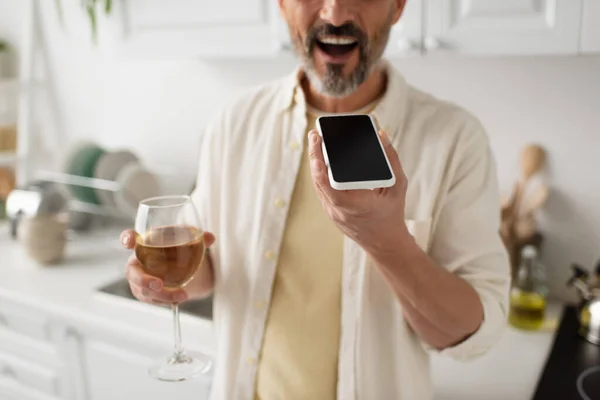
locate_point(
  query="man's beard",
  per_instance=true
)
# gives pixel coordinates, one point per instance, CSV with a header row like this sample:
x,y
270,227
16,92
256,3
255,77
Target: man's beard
x,y
333,83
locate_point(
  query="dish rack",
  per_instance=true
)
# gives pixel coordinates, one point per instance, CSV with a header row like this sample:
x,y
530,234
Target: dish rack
x,y
49,194
93,183
168,180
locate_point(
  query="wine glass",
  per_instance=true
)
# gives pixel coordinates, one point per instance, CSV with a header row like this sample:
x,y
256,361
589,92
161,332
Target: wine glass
x,y
170,246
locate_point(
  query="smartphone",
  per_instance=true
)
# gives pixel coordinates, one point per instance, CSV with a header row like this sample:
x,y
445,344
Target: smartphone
x,y
353,152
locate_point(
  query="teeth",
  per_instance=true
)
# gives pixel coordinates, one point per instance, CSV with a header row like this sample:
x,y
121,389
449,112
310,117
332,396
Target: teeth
x,y
337,40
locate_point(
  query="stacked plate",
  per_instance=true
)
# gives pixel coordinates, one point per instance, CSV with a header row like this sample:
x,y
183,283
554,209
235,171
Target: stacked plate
x,y
136,183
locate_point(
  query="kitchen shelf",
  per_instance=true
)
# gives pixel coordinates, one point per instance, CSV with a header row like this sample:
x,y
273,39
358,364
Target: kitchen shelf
x,y
8,158
9,83
16,84
26,85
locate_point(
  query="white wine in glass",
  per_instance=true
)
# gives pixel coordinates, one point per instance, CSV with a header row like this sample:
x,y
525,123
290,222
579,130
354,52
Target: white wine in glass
x,y
170,246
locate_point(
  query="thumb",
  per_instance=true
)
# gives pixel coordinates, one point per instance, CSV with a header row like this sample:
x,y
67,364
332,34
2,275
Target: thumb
x,y
385,139
128,238
390,151
209,239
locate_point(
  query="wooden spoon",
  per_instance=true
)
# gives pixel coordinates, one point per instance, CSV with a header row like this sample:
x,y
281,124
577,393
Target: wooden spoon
x,y
525,227
533,160
517,227
536,199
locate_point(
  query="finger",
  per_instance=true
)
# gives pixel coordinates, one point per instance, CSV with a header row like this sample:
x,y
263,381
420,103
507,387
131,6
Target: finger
x,y
315,152
209,239
136,276
163,297
144,297
392,156
137,293
318,169
128,237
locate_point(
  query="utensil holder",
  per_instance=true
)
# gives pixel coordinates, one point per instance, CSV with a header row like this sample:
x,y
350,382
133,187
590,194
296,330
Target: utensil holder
x,y
44,237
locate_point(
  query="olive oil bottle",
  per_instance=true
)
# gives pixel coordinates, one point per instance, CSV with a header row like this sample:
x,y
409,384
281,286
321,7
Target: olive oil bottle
x,y
529,291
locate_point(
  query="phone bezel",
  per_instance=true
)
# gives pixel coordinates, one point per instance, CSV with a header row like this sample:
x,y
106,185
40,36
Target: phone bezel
x,y
355,185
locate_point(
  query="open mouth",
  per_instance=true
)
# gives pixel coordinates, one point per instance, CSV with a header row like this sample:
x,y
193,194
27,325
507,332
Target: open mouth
x,y
336,45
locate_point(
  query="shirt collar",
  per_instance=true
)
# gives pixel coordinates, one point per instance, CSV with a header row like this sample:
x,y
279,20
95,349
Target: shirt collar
x,y
389,112
291,84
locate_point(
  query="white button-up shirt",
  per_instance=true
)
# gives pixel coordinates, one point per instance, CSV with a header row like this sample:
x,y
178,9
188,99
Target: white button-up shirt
x,y
249,160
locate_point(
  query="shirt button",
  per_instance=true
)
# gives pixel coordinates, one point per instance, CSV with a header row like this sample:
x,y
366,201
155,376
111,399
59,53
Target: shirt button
x,y
279,203
269,255
260,304
251,361
295,146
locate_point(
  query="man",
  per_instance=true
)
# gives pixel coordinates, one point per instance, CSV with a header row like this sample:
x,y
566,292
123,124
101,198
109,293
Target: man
x,y
325,294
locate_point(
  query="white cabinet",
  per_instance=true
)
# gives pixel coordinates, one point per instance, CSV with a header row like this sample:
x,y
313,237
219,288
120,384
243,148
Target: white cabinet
x,y
199,28
27,374
30,366
47,356
184,29
180,29
590,34
504,27
118,373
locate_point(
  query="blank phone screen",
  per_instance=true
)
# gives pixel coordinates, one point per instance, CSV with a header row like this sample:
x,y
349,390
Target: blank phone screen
x,y
353,149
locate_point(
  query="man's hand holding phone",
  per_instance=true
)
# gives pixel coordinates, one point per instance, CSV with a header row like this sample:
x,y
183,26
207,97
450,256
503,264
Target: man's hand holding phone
x,y
372,218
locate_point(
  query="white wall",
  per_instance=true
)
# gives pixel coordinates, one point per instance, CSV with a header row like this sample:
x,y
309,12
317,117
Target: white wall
x,y
159,109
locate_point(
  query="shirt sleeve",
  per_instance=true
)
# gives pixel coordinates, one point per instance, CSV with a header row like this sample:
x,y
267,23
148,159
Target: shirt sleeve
x,y
466,239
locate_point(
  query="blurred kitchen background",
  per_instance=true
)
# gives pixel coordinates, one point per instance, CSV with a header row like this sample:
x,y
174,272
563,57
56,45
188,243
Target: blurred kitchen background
x,y
147,75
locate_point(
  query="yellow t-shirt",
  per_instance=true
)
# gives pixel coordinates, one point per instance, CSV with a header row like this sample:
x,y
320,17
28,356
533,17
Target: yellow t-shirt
x,y
301,341
299,357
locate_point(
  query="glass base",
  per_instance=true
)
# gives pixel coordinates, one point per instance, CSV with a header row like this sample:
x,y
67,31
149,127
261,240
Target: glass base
x,y
179,367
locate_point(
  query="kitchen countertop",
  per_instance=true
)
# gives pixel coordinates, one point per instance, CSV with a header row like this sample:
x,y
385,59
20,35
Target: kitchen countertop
x,y
510,371
69,290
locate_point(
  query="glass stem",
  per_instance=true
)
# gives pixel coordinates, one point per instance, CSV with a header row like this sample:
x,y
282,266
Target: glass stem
x,y
177,329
